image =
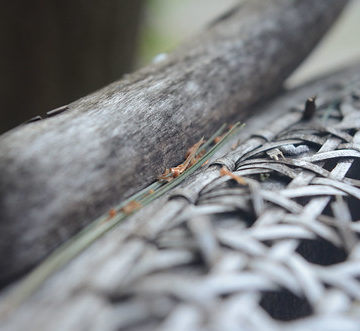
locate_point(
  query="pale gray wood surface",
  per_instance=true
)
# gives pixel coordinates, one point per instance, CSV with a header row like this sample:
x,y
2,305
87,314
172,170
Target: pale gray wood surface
x,y
59,173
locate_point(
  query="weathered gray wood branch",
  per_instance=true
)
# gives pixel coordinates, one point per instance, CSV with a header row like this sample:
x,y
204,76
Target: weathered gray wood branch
x,y
58,174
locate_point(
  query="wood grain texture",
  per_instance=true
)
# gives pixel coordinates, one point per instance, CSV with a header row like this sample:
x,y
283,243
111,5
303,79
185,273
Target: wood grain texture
x,y
59,173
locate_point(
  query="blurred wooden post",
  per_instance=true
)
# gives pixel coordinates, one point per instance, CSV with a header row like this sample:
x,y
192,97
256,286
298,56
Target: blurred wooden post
x,y
53,52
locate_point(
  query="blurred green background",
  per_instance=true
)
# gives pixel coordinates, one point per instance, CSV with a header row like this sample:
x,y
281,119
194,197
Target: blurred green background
x,y
167,23
55,52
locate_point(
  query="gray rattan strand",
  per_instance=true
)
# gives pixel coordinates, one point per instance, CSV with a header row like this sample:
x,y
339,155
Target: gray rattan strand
x,y
280,253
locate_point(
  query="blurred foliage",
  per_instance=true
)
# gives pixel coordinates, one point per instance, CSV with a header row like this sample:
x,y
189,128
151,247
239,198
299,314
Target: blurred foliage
x,y
167,23
151,42
153,39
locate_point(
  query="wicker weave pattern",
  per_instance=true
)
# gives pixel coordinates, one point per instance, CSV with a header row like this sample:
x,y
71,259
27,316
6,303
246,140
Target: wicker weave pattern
x,y
283,247
280,253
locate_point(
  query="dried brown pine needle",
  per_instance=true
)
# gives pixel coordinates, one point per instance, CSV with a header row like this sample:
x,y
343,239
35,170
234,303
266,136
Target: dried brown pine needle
x,y
194,148
191,159
130,207
218,139
112,213
226,172
196,158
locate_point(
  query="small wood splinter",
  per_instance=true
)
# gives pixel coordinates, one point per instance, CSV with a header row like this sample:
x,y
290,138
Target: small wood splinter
x,y
310,108
191,159
57,111
130,207
226,172
33,119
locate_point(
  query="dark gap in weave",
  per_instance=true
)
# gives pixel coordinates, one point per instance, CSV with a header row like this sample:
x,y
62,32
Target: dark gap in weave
x,y
231,183
274,181
327,211
321,252
116,297
248,218
272,177
268,243
330,164
261,177
352,132
303,200
354,171
285,306
354,207
354,203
